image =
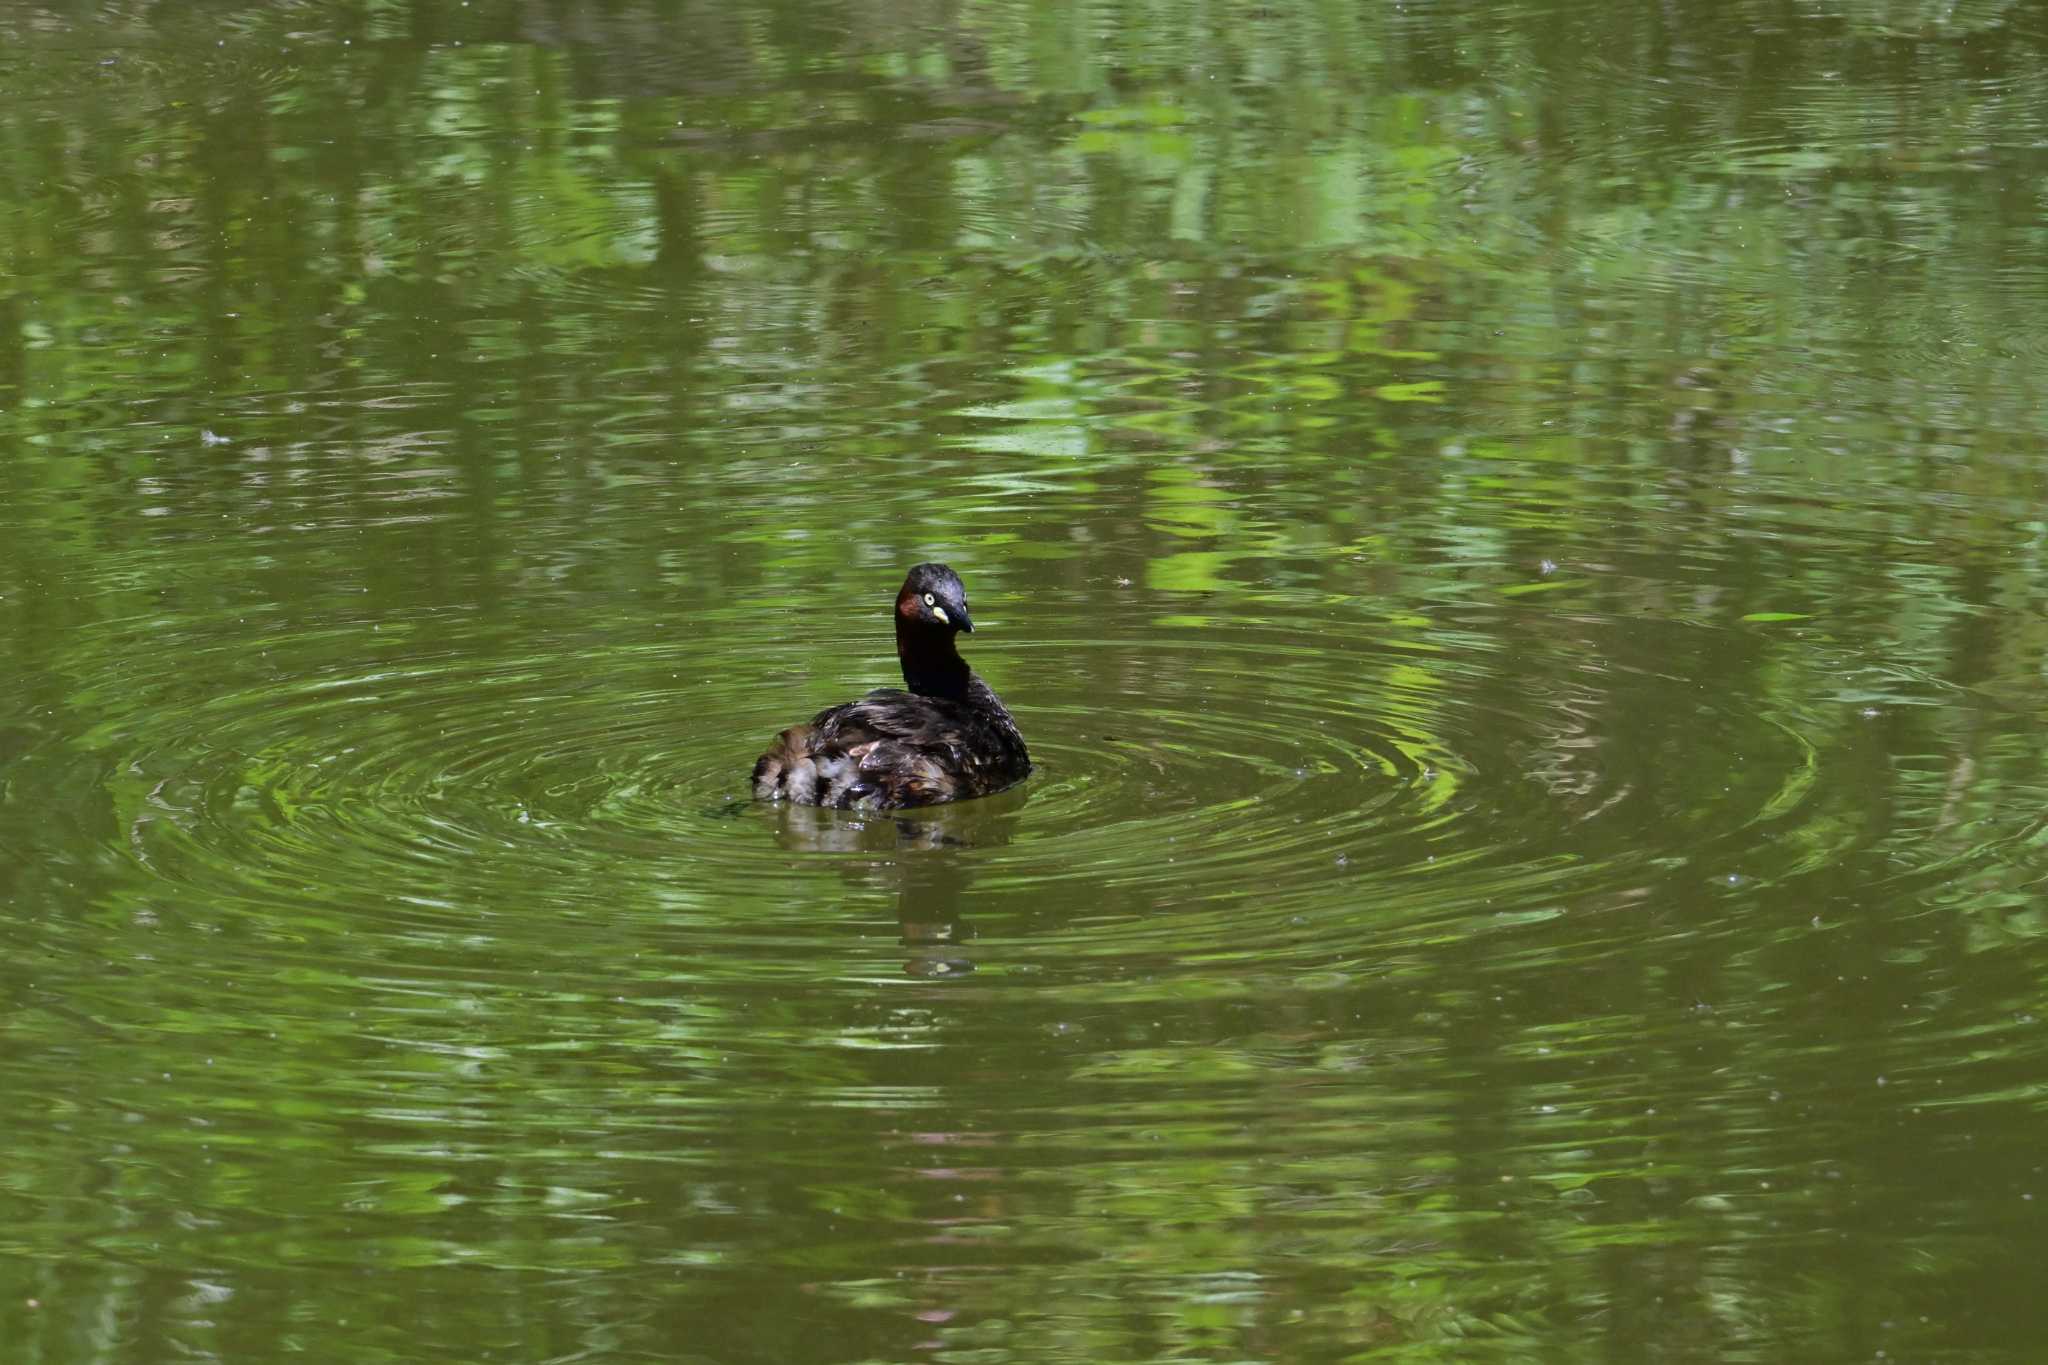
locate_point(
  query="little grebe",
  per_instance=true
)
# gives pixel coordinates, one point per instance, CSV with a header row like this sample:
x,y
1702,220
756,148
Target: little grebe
x,y
945,739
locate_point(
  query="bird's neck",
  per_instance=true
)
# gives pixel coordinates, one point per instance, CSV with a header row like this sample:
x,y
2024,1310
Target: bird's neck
x,y
932,667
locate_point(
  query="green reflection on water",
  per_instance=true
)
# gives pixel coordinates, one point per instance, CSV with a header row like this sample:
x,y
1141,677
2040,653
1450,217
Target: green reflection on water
x,y
1513,533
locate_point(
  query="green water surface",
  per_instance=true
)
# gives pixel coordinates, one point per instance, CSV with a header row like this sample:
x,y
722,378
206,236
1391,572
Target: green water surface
x,y
1516,531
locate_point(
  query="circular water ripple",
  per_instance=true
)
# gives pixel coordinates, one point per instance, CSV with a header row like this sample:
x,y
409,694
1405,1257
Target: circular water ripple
x,y
1203,781
426,779
1224,772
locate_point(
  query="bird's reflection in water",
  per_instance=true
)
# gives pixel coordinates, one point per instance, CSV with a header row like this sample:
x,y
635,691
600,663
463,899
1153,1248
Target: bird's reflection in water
x,y
924,854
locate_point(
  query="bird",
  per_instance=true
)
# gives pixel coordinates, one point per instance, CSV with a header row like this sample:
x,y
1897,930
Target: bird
x,y
945,737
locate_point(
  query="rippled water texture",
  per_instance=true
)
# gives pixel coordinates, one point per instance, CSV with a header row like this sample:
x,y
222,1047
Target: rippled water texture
x,y
1514,532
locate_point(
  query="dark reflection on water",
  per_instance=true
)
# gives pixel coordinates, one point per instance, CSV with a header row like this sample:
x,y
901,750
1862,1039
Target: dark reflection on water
x,y
923,856
1513,531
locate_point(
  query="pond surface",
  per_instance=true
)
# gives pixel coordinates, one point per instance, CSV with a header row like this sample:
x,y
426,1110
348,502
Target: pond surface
x,y
1515,532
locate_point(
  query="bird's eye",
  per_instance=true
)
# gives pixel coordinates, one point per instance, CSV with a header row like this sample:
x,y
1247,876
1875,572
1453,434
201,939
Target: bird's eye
x,y
929,599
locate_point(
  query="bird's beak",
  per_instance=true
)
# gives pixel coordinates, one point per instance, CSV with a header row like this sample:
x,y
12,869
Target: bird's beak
x,y
961,620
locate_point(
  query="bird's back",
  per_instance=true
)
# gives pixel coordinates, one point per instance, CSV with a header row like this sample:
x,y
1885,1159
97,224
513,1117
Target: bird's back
x,y
892,749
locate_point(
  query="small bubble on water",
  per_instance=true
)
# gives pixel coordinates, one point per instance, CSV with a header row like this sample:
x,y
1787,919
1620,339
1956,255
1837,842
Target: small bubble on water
x,y
1546,567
